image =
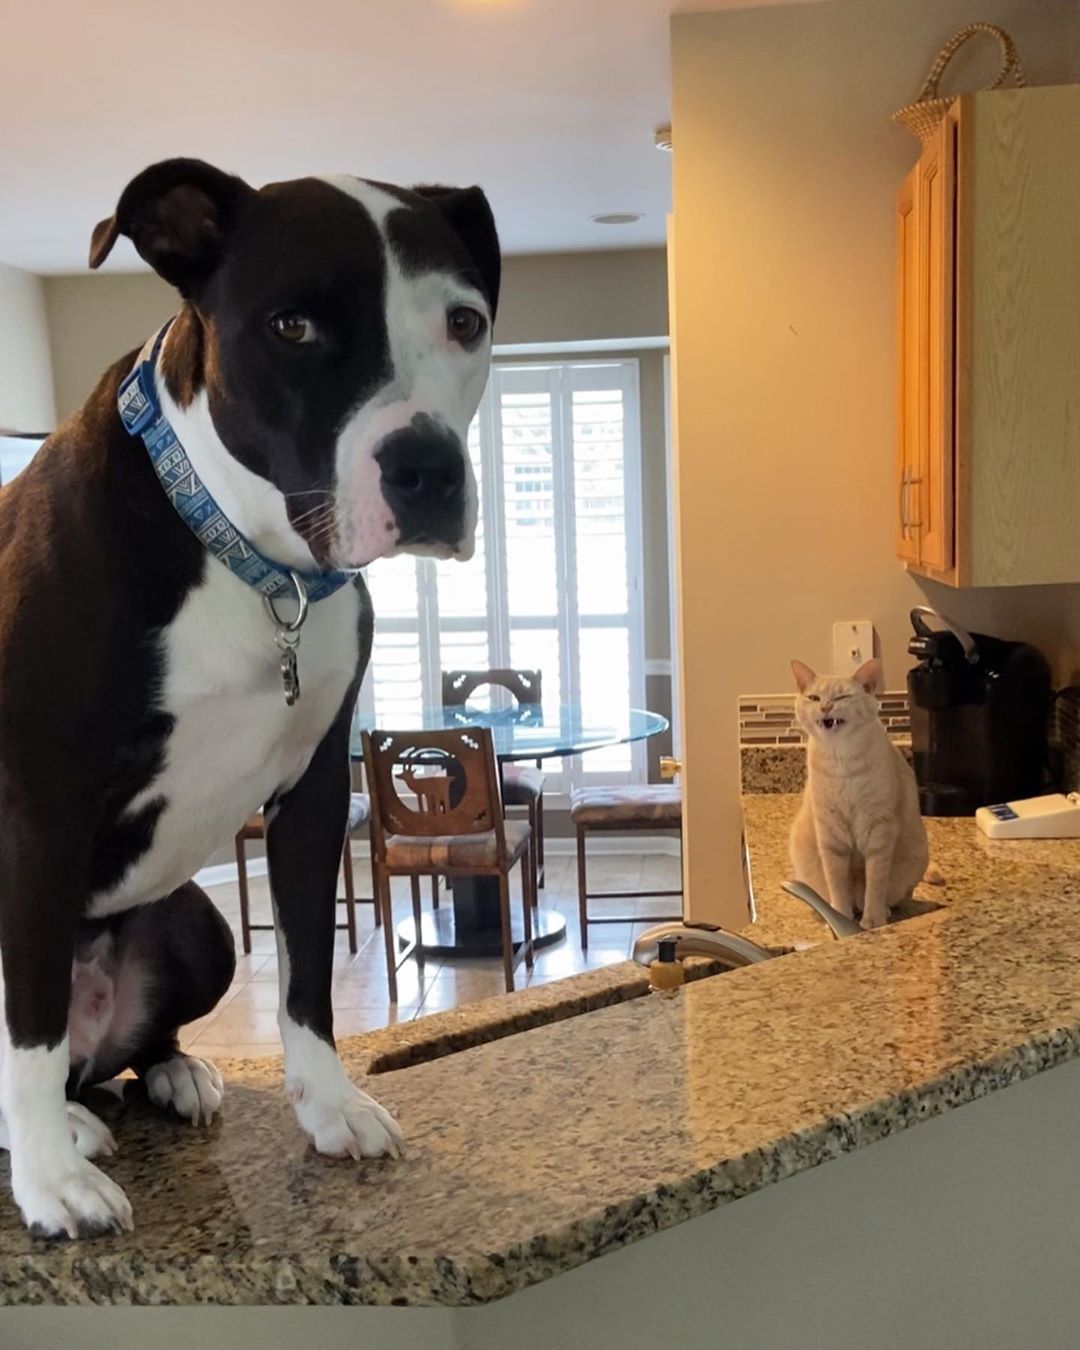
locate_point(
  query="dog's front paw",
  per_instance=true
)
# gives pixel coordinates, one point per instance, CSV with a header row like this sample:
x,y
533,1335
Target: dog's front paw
x,y
191,1086
347,1123
92,1137
73,1200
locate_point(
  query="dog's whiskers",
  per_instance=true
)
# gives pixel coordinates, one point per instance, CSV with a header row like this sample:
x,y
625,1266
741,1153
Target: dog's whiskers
x,y
323,533
322,508
305,492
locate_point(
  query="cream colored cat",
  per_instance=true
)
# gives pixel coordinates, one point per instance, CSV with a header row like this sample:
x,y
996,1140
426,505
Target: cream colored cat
x,y
858,839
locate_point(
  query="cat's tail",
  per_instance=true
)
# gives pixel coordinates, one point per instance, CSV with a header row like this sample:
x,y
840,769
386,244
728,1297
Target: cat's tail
x,y
933,876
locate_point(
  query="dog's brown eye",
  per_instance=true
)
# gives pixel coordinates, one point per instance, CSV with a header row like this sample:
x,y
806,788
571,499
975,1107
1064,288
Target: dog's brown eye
x,y
464,324
293,327
814,698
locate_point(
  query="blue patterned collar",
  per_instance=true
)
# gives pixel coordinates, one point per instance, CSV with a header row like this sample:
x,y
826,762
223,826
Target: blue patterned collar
x,y
141,414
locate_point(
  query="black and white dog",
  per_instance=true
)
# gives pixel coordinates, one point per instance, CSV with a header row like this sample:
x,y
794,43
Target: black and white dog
x,y
316,388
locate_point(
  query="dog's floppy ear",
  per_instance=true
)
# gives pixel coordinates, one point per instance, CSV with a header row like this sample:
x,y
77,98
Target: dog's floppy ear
x,y
469,213
177,213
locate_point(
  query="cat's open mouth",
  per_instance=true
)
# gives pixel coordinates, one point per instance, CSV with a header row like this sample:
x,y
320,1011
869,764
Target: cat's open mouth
x,y
831,723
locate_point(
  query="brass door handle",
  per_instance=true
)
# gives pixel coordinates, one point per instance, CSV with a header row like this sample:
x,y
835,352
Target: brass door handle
x,y
670,767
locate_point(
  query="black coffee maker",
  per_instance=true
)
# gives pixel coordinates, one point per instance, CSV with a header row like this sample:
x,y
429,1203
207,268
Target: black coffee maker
x,y
980,709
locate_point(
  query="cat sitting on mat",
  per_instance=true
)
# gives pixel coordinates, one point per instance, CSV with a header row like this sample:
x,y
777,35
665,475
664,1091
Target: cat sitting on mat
x,y
858,839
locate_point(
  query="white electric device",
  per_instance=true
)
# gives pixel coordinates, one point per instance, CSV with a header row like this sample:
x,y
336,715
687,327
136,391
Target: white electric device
x,y
1052,817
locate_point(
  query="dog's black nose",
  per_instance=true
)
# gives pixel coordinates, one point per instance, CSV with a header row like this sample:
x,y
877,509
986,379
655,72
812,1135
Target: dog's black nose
x,y
423,481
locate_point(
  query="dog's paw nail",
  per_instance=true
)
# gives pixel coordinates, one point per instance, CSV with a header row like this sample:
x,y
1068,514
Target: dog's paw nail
x,y
92,1137
355,1126
79,1201
192,1087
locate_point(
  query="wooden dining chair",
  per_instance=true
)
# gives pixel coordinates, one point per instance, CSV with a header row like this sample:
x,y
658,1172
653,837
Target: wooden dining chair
x,y
522,784
453,827
651,807
255,828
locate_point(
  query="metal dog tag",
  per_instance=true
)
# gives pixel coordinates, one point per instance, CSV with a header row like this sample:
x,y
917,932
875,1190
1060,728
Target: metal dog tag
x,y
287,637
290,671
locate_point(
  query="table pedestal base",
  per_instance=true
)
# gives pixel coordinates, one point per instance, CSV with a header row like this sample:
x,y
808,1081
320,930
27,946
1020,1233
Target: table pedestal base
x,y
470,926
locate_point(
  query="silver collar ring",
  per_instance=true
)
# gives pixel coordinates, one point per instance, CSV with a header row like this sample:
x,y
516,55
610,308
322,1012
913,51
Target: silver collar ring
x,y
290,625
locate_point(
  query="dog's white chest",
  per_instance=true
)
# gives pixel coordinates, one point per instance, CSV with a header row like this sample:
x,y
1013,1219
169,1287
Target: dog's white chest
x,y
234,740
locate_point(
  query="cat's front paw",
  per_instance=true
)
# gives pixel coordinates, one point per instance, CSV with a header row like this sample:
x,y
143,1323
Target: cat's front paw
x,y
874,918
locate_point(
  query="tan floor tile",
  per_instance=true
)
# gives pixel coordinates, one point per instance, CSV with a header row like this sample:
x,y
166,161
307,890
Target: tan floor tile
x,y
245,1022
574,961
251,1025
236,1050
255,996
248,966
364,987
355,1021
263,943
469,987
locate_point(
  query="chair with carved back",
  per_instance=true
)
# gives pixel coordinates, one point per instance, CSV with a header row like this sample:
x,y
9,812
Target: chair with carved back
x,y
522,784
453,826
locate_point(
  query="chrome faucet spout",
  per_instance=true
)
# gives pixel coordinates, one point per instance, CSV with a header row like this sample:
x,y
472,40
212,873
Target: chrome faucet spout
x,y
698,939
840,924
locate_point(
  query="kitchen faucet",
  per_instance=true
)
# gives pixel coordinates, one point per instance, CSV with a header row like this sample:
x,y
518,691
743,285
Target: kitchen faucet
x,y
707,939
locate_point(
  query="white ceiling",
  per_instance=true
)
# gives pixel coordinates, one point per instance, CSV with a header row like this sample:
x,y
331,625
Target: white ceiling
x,y
549,104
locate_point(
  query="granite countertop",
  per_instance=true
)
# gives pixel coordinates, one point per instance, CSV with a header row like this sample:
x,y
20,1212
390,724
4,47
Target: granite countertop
x,y
535,1152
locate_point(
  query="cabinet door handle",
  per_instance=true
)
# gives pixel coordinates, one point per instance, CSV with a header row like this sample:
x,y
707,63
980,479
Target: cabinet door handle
x,y
905,528
913,482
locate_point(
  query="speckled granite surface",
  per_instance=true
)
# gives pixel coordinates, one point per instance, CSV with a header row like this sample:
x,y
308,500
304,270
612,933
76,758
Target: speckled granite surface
x,y
536,1152
773,768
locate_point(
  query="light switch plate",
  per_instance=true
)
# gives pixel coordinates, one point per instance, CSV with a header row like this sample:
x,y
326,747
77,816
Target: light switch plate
x,y
853,643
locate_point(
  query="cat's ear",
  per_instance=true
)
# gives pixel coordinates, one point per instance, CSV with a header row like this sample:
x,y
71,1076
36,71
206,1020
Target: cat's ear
x,y
869,675
804,676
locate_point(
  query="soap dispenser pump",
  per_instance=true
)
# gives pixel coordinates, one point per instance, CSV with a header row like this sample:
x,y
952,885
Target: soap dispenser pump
x,y
666,973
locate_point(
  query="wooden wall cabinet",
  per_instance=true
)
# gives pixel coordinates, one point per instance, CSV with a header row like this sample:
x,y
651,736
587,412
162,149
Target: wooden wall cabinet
x,y
988,282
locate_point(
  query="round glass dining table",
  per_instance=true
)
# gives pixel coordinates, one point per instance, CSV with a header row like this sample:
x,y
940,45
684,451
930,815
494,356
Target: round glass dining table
x,y
471,926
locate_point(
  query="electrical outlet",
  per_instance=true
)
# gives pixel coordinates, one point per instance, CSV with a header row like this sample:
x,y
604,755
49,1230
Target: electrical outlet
x,y
853,643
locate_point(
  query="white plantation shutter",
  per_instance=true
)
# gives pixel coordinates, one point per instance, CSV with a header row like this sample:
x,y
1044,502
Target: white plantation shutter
x,y
555,583
16,452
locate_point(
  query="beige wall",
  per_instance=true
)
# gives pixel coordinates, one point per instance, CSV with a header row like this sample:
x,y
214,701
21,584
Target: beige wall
x,y
558,297
26,384
785,173
564,297
94,320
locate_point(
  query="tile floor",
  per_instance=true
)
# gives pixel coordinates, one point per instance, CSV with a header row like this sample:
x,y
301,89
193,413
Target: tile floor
x,y
244,1024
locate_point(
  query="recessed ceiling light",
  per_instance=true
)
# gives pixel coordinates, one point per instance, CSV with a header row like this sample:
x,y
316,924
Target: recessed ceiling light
x,y
617,218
